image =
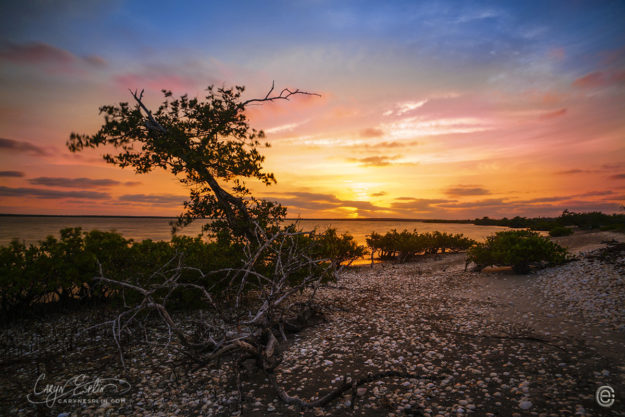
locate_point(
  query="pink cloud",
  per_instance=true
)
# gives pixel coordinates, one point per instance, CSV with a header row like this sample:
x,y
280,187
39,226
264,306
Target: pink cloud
x,y
371,132
551,98
592,80
552,114
600,79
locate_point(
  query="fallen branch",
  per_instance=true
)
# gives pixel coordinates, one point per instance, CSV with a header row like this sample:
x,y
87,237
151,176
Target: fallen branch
x,y
510,337
348,384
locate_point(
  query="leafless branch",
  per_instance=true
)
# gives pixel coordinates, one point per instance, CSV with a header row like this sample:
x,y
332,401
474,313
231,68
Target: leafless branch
x,y
285,94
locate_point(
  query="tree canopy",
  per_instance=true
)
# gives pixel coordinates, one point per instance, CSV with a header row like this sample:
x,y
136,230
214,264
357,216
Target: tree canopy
x,y
202,142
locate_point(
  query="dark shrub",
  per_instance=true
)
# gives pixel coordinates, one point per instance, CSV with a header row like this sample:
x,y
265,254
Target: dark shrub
x,y
59,272
521,249
560,231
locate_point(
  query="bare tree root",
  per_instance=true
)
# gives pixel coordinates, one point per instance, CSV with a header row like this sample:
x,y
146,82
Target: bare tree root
x,y
249,311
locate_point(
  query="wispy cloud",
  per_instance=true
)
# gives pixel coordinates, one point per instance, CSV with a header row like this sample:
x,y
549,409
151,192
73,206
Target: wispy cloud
x,y
375,161
490,202
599,79
552,114
64,182
596,193
38,53
389,144
284,128
371,132
321,202
412,127
164,199
592,80
615,165
15,174
419,205
466,190
10,145
404,107
52,194
409,106
574,171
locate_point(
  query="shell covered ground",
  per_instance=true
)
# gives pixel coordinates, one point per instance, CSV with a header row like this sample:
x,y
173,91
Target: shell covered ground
x,y
489,343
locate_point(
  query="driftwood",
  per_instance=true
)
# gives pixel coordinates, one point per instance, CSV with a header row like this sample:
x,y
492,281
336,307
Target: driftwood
x,y
348,384
528,338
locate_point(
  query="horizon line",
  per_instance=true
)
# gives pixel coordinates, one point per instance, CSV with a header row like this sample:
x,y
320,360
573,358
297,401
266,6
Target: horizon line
x,y
288,218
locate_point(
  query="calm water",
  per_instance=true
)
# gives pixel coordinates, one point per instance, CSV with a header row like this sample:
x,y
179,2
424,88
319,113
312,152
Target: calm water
x,y
33,229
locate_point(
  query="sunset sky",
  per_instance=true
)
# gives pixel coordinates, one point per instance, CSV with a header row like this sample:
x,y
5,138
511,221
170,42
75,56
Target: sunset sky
x,y
428,110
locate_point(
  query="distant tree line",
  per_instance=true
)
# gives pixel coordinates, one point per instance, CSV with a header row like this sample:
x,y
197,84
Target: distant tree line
x,y
587,221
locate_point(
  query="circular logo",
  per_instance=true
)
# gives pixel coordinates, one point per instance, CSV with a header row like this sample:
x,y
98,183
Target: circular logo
x,y
605,396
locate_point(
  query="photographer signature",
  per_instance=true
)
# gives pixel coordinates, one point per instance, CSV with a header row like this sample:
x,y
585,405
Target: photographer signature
x,y
76,386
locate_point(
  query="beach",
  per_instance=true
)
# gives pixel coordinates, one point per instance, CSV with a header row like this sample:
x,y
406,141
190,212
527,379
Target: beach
x,y
489,343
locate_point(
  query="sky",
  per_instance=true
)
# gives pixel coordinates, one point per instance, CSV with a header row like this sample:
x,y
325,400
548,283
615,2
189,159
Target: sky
x,y
443,109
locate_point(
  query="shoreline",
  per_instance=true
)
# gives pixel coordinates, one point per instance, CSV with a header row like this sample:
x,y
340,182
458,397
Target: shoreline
x,y
491,343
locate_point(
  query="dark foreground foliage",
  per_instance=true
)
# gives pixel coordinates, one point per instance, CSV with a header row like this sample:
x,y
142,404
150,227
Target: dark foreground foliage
x,y
57,273
405,246
520,249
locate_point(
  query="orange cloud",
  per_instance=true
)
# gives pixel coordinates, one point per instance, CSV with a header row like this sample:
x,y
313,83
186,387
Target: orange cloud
x,y
466,190
375,161
371,132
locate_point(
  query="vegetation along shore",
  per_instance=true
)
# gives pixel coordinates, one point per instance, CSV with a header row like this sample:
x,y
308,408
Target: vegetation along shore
x,y
466,341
